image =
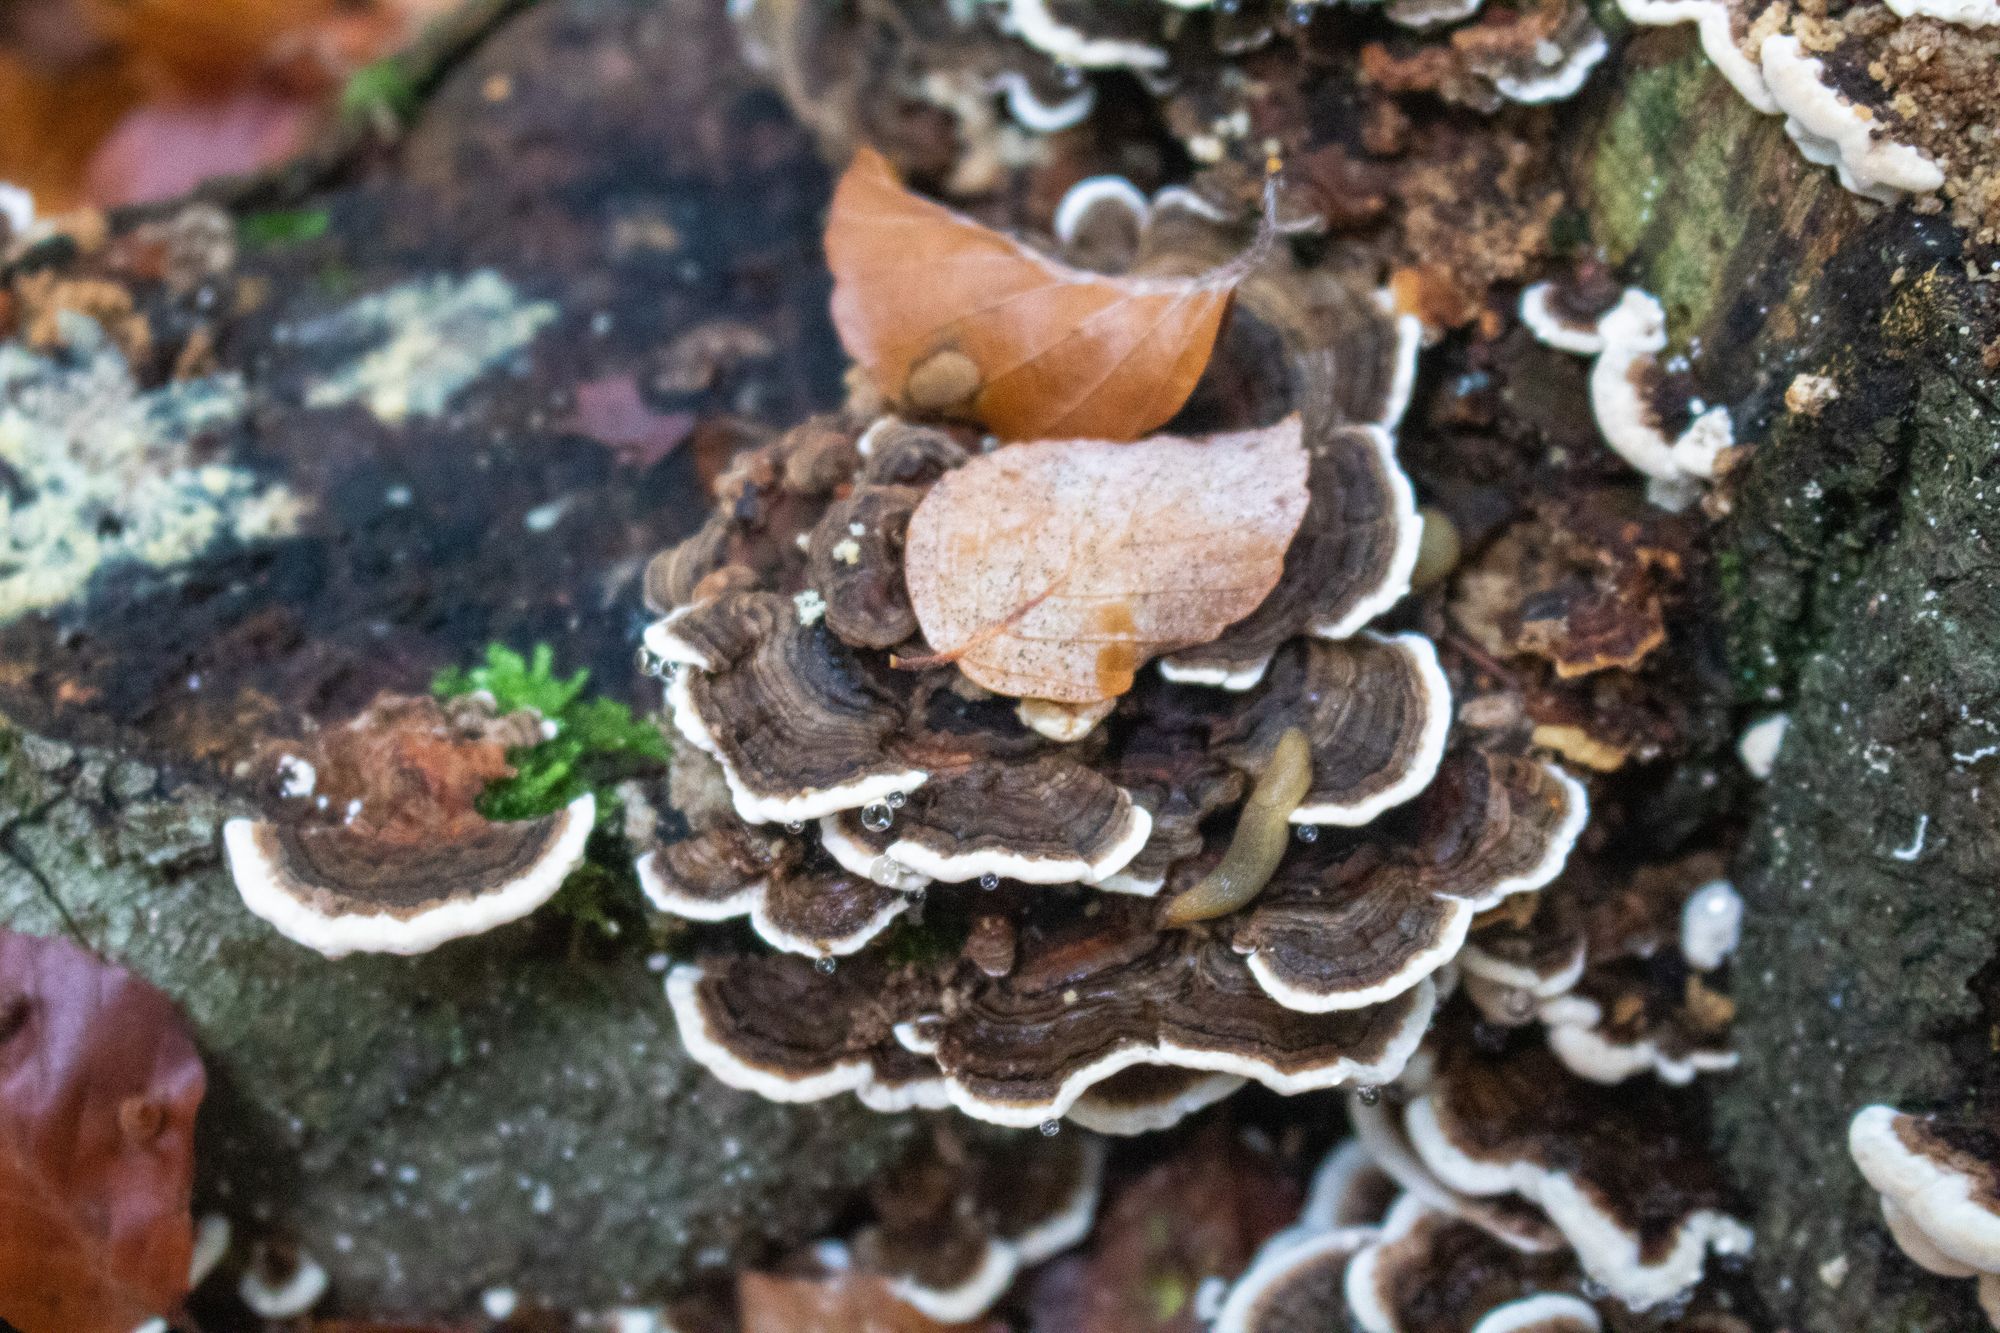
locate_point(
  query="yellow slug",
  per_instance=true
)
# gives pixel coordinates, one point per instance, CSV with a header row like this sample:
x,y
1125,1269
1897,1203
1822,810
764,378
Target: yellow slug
x,y
1263,831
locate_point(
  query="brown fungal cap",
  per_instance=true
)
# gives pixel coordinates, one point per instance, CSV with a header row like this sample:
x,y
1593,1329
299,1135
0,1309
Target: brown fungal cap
x,y
1379,1132
1180,784
1294,1288
1402,1266
1430,1272
1145,1098
1350,561
1939,1179
1511,966
1046,820
1339,931
1645,1002
960,1220
409,863
855,562
1612,1170
822,723
797,898
1078,1007
1375,712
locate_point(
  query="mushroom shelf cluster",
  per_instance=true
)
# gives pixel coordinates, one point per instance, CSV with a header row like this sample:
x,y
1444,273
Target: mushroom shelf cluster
x,y
838,789
1397,1234
1274,856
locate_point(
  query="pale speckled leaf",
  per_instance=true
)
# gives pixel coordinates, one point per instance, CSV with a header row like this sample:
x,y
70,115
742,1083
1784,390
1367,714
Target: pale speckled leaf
x,y
1055,570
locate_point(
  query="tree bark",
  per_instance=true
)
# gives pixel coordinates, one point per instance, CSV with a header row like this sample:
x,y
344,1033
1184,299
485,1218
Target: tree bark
x,y
1858,571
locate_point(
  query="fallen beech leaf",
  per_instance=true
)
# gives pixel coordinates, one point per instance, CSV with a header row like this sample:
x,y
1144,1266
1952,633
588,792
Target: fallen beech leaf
x,y
1055,570
99,1083
611,411
841,1303
162,150
945,313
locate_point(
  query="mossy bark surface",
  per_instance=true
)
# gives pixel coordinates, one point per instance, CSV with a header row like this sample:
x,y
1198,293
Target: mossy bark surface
x,y
1859,568
597,182
502,1112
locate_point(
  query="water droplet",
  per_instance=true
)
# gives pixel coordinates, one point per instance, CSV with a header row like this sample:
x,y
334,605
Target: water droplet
x,y
795,827
877,817
989,881
824,966
1306,833
1070,76
1051,1128
1368,1096
896,800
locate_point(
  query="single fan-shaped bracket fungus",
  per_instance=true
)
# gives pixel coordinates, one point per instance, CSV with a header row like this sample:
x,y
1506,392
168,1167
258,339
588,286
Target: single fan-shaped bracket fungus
x,y
391,856
1939,1184
1833,131
1643,413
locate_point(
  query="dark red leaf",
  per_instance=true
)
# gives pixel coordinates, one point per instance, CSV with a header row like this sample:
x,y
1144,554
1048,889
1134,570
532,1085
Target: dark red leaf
x,y
99,1083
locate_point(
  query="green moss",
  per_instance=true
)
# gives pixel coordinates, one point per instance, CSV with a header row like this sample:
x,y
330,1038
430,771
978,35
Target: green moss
x,y
289,226
1676,138
597,744
383,89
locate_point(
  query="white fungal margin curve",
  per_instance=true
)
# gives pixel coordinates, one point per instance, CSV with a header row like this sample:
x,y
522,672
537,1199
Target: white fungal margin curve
x,y
1835,132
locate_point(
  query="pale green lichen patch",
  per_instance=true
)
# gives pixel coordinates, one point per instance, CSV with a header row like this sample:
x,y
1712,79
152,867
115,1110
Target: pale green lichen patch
x,y
1664,159
94,472
433,338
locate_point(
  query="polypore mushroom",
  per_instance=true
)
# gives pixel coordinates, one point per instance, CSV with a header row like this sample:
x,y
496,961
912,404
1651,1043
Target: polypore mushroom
x,y
1543,55
1427,1269
1379,1130
1723,28
900,762
820,744
1940,1192
1646,1002
795,896
281,1281
393,857
1082,1004
1636,403
957,1222
1833,131
1510,968
1341,929
1638,1206
993,819
1144,1098
1396,1266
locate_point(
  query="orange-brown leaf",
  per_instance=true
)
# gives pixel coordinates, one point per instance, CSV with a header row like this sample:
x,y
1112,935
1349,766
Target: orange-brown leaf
x,y
99,1084
1054,352
1055,570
